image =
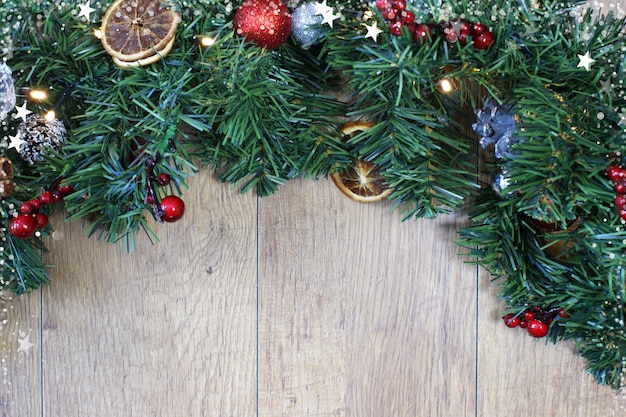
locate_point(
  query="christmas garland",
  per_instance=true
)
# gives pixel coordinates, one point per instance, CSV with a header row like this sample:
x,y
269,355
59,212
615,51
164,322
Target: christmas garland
x,y
109,109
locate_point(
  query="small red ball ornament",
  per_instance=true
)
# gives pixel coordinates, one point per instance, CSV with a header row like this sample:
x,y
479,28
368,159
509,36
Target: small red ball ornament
x,y
421,33
510,320
173,208
537,328
483,40
41,220
23,226
264,22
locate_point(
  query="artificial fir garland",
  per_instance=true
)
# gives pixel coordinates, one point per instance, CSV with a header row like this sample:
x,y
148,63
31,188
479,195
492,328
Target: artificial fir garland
x,y
542,83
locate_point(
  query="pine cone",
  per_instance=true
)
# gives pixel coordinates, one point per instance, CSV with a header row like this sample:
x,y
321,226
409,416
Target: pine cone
x,y
496,125
40,135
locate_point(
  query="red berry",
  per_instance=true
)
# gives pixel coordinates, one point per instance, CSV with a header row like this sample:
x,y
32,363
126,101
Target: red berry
x,y
164,179
149,199
383,4
421,33
66,189
483,40
523,323
537,328
41,219
27,208
622,213
529,315
395,28
46,198
620,201
464,32
23,226
36,203
478,28
389,13
56,196
510,320
613,172
398,4
620,187
450,34
562,313
407,17
173,208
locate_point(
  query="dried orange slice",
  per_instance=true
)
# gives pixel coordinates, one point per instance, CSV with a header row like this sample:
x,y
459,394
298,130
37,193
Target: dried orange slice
x,y
135,30
362,181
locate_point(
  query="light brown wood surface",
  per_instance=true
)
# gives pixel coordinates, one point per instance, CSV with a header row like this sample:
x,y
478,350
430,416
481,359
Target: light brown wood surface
x,y
299,304
303,303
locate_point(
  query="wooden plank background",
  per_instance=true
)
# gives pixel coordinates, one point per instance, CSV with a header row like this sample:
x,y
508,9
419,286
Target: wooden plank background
x,y
299,304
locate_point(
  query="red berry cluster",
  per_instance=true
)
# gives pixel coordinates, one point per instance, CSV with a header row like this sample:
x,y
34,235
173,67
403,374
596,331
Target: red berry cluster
x,y
617,174
30,219
460,30
395,12
171,208
534,319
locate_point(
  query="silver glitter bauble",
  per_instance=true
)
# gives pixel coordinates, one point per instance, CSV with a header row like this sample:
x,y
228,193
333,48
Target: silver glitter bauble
x,y
40,136
306,25
7,91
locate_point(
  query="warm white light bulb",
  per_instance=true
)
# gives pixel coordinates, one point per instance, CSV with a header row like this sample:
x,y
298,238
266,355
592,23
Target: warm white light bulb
x,y
207,41
446,86
38,95
50,116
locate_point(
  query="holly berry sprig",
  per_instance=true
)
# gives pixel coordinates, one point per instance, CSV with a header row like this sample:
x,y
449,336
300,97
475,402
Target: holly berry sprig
x,y
617,174
395,12
29,218
535,319
171,208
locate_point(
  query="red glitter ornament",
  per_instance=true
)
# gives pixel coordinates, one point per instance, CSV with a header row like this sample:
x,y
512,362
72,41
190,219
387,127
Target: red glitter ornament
x,y
264,22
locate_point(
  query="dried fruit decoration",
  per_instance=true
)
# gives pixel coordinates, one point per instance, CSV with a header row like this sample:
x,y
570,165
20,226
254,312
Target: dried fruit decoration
x,y
139,32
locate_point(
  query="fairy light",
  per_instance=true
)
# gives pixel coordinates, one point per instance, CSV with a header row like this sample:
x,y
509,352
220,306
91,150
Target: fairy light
x,y
207,41
446,85
38,95
50,116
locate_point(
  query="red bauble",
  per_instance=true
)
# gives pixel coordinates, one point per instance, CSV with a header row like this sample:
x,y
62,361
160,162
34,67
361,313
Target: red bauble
x,y
23,226
41,220
173,208
483,40
264,22
537,328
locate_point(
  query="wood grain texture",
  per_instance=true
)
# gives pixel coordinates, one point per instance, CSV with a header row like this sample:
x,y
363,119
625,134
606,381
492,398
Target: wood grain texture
x,y
360,314
20,363
168,330
300,304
